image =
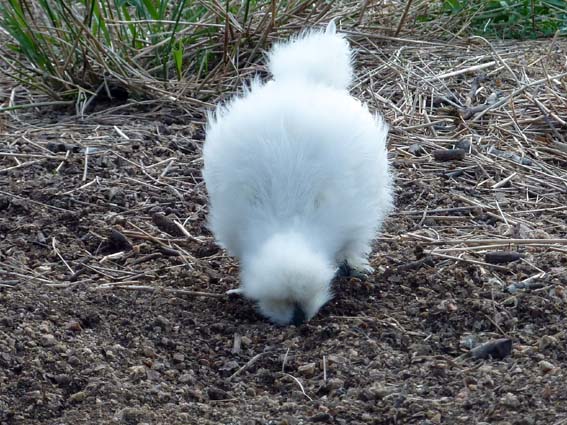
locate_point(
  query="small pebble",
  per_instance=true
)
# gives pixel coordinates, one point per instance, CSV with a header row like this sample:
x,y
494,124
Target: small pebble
x,y
545,366
335,383
463,144
546,342
502,257
510,400
131,415
217,394
449,154
497,349
196,394
78,397
307,369
321,417
74,326
178,358
137,371
73,361
187,378
48,340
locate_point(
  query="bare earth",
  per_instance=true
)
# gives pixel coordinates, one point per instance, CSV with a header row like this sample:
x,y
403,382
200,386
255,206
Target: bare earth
x,y
92,330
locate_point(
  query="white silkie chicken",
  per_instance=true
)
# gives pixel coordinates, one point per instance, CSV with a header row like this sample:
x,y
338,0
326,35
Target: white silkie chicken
x,y
297,175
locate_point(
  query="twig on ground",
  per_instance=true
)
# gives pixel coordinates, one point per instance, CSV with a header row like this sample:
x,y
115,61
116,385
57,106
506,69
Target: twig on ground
x,y
143,288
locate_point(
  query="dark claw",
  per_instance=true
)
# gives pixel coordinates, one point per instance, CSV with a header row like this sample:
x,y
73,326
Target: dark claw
x,y
298,316
345,270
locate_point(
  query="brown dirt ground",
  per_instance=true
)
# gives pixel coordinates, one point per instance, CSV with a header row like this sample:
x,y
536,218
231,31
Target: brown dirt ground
x,y
388,350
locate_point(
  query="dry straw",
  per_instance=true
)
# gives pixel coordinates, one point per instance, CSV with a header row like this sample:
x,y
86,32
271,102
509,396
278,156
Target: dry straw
x,y
501,102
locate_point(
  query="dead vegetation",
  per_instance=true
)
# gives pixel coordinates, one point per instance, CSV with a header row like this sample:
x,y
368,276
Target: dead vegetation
x,y
91,206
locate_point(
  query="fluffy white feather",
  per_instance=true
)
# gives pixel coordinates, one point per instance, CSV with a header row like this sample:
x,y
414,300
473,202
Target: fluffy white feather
x,y
297,175
315,56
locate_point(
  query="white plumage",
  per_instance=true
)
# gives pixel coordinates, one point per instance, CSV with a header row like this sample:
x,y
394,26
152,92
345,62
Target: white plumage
x,y
297,176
